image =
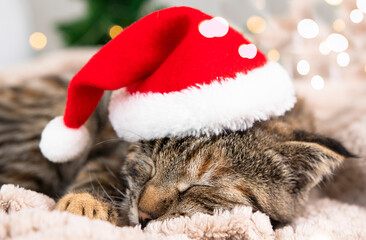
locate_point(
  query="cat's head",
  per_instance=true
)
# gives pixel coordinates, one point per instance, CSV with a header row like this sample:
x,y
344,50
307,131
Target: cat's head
x,y
270,167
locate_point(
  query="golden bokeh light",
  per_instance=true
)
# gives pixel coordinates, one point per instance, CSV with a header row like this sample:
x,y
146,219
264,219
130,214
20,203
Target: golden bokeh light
x,y
339,25
38,41
256,24
273,55
115,30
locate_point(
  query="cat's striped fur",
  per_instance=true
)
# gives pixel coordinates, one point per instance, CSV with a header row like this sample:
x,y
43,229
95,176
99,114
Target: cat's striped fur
x,y
24,111
270,167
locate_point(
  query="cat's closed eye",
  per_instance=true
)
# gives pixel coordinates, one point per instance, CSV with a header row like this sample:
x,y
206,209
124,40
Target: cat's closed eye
x,y
183,188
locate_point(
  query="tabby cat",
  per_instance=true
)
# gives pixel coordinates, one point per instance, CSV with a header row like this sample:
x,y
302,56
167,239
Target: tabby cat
x,y
270,167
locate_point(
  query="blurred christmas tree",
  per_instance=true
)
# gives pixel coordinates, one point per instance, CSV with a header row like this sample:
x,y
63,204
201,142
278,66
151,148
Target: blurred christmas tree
x,y
95,27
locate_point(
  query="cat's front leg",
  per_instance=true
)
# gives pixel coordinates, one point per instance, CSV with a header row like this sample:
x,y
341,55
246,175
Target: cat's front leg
x,y
97,193
85,204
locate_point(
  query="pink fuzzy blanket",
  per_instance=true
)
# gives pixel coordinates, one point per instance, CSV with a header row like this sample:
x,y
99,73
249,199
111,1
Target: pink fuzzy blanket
x,y
337,210
28,215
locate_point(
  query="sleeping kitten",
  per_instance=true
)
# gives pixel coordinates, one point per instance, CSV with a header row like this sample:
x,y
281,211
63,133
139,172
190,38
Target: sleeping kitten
x,y
270,167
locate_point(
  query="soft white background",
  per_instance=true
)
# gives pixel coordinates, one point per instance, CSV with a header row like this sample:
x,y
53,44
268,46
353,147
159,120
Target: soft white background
x,y
20,18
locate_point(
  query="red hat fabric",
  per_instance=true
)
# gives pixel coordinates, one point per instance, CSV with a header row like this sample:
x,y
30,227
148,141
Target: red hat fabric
x,y
178,72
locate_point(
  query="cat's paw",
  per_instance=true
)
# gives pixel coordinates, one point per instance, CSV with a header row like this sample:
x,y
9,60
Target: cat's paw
x,y
85,204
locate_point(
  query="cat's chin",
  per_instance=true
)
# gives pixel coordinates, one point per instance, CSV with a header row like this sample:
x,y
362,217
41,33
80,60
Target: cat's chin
x,y
133,216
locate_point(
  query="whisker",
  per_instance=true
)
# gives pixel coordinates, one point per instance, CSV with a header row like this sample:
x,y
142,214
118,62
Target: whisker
x,y
120,208
127,130
115,204
118,198
104,190
109,140
118,139
111,172
91,180
119,191
105,199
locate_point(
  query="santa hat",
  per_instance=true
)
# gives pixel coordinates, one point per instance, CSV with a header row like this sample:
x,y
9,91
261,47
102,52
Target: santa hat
x,y
177,72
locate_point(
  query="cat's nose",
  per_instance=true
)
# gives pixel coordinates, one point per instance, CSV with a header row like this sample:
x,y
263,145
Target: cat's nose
x,y
144,218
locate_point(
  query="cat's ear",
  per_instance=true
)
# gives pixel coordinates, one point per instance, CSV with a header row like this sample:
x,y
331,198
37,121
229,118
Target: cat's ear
x,y
310,158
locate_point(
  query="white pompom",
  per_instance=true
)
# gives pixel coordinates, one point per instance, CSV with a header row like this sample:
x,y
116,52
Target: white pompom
x,y
60,143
